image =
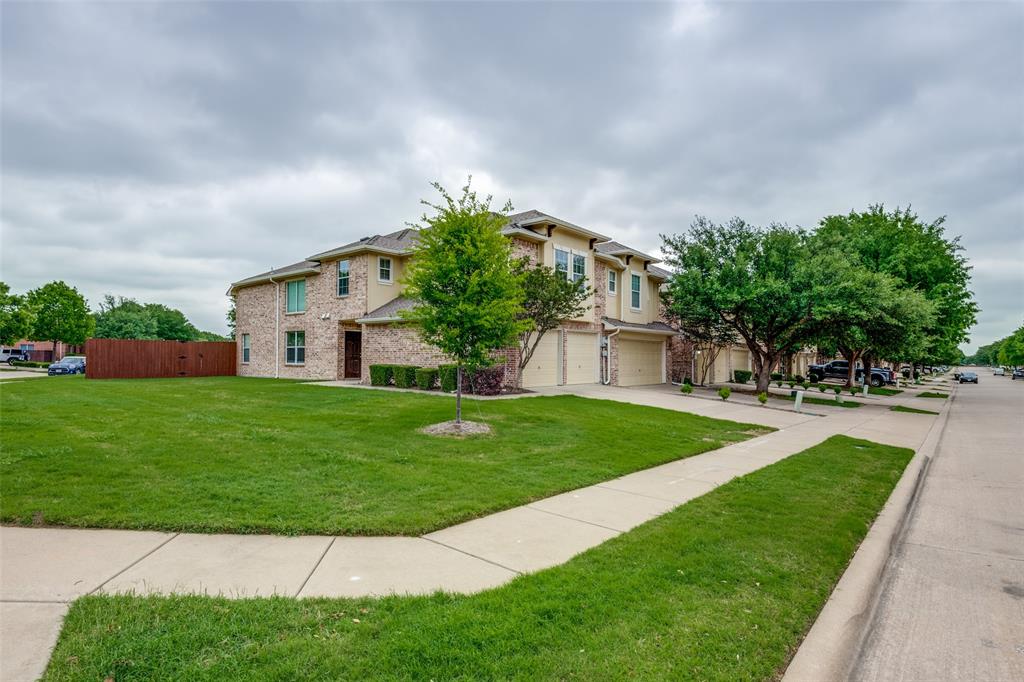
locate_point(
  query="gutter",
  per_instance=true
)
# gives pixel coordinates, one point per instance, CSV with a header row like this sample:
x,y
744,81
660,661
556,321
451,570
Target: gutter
x,y
379,320
277,327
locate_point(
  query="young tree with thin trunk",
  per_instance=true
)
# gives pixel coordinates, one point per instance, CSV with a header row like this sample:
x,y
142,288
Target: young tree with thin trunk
x,y
708,333
758,282
549,297
462,277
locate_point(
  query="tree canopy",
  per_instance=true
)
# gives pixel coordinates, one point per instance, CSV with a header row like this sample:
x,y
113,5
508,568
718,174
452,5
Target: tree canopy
x,y
126,318
61,314
15,316
758,282
468,295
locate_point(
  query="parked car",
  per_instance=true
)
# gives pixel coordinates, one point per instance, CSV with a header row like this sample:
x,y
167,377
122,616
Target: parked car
x,y
72,364
999,372
9,355
968,378
1018,373
840,369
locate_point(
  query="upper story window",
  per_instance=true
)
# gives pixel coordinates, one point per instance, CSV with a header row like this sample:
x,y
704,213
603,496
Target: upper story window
x,y
295,348
579,266
634,291
296,296
343,278
613,281
562,262
245,348
384,270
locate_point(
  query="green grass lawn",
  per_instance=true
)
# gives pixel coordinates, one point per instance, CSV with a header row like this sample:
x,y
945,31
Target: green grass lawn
x,y
261,455
811,400
932,394
881,390
910,410
722,588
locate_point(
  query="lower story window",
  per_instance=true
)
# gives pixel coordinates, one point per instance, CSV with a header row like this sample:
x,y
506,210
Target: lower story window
x,y
245,347
295,348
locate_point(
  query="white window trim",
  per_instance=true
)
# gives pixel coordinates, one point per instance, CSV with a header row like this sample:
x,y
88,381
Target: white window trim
x,y
338,278
244,348
286,283
608,285
640,292
303,347
391,270
572,262
568,263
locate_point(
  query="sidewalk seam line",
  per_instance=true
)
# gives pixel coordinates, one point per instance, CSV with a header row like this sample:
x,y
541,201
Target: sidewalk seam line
x,y
572,518
134,563
316,566
470,554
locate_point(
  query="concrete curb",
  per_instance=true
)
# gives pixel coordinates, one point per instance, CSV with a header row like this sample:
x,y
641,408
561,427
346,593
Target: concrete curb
x,y
829,651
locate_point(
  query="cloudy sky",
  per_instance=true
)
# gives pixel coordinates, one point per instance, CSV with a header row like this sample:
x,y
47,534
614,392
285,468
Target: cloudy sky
x,y
161,151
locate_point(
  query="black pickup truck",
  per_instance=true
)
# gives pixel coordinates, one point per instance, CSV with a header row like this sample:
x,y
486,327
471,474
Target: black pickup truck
x,y
840,369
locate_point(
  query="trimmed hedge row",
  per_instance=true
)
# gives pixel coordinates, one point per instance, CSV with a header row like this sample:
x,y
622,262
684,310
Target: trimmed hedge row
x,y
29,363
742,376
482,381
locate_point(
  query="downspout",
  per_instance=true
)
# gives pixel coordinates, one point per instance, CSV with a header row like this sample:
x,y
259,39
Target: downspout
x,y
277,327
608,358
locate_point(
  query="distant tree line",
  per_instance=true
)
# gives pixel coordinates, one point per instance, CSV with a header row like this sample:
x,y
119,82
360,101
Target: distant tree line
x,y
58,312
1006,351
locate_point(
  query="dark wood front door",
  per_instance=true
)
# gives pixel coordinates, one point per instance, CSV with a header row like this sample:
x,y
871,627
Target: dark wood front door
x,y
353,355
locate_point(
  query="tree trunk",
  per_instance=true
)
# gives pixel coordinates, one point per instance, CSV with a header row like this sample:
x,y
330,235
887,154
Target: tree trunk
x,y
458,394
865,359
851,371
763,366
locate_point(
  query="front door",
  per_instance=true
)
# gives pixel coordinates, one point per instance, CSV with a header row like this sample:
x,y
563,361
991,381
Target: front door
x,y
353,355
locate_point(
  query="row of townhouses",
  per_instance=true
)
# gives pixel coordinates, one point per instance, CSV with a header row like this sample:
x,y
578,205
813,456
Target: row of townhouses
x,y
336,313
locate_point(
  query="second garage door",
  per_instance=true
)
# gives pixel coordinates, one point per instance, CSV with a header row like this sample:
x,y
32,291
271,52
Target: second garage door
x,y
581,358
640,362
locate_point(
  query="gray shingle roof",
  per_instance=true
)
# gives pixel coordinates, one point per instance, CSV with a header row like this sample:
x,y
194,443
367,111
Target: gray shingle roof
x,y
399,240
301,266
390,310
650,326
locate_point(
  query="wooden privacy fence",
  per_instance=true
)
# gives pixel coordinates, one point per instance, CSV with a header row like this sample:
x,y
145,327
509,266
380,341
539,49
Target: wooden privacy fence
x,y
132,359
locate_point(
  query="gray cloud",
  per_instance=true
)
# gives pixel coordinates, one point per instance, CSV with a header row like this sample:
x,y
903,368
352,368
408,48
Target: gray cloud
x,y
164,150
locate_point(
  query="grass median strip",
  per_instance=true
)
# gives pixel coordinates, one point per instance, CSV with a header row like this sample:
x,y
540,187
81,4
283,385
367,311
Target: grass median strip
x,y
722,588
932,394
232,454
811,400
910,410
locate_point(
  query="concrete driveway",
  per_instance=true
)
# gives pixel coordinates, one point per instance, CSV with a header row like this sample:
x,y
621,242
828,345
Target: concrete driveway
x,y
952,601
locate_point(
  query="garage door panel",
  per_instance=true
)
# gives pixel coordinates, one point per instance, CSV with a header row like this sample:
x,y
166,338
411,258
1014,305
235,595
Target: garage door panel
x,y
640,362
543,368
581,358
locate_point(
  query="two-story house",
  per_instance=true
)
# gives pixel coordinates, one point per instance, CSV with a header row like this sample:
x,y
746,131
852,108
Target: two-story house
x,y
334,314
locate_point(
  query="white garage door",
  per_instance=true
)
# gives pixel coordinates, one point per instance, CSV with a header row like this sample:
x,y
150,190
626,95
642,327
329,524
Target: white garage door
x,y
640,362
721,368
581,358
543,369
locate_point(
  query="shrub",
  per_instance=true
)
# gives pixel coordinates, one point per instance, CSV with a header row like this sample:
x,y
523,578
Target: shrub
x,y
447,374
853,391
686,388
791,384
724,392
688,382
822,387
779,383
805,384
742,376
381,375
799,378
426,378
485,380
762,397
837,389
30,363
405,375
776,376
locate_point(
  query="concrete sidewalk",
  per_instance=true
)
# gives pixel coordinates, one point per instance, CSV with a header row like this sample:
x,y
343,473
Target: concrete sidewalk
x,y
43,569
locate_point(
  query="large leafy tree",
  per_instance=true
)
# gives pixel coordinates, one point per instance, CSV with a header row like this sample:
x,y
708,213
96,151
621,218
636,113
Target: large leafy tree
x,y
61,314
758,282
549,297
1011,349
898,243
462,275
864,314
126,318
15,316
